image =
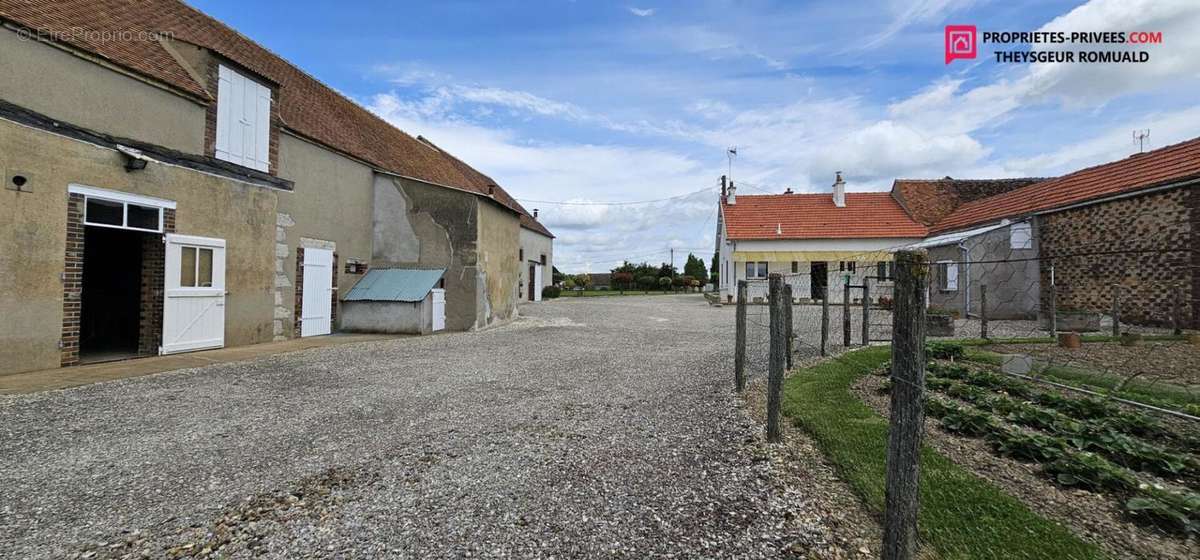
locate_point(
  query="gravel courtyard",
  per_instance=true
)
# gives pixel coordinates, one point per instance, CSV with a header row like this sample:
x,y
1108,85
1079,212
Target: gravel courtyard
x,y
591,427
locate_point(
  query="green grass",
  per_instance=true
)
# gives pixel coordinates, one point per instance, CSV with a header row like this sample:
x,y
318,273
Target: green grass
x,y
606,293
1153,393
962,516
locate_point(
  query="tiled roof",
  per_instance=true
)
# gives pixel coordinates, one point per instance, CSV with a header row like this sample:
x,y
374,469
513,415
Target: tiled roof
x,y
306,106
1163,166
930,200
814,216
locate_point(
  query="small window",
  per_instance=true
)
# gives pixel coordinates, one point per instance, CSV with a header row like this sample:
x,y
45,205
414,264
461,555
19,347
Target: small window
x,y
124,215
756,270
543,260
195,267
948,277
795,267
105,212
881,270
521,255
1020,236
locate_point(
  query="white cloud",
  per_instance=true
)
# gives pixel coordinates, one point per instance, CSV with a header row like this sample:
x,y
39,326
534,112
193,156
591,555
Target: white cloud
x,y
641,12
908,13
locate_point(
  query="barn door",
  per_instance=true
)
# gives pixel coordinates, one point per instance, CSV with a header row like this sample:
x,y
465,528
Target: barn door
x,y
438,296
194,301
537,282
317,304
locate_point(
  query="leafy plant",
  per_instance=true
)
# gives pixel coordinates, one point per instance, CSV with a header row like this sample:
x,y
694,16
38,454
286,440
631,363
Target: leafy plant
x,y
1090,471
944,350
551,292
1177,511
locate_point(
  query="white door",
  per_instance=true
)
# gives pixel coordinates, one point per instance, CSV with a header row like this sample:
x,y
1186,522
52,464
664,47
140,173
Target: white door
x,y
194,304
439,308
316,307
537,282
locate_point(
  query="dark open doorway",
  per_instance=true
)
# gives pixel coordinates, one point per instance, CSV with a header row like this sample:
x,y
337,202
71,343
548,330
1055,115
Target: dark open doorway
x,y
820,279
110,311
532,288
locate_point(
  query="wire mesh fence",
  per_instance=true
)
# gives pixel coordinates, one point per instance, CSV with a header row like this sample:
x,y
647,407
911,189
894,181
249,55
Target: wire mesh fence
x,y
1064,371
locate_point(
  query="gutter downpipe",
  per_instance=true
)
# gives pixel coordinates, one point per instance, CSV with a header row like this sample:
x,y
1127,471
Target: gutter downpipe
x,y
966,258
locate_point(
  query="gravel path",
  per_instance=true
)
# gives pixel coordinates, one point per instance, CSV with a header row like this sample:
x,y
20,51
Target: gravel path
x,y
597,427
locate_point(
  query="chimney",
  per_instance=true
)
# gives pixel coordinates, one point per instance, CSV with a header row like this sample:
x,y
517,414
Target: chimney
x,y
723,188
535,213
732,198
839,191
788,191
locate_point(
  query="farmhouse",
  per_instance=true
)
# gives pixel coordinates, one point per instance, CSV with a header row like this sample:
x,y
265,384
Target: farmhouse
x,y
1128,228
170,185
822,241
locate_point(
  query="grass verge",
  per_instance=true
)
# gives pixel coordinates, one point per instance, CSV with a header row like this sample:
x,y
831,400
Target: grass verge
x,y
962,515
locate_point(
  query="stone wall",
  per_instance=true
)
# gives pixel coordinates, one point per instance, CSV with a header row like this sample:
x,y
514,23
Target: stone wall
x,y
1145,244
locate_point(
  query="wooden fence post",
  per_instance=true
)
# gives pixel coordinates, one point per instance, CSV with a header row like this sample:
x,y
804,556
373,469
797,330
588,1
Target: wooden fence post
x,y
866,303
983,318
1116,311
846,315
901,497
787,320
739,351
777,359
1053,305
825,321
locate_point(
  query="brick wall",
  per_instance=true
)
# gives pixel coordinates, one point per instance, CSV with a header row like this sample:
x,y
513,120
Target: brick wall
x,y
150,320
1144,244
72,281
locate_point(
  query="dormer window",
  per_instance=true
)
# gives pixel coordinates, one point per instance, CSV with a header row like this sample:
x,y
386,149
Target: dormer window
x,y
243,120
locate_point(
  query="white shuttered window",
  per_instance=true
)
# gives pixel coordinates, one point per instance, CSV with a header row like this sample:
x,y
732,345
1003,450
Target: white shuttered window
x,y
243,120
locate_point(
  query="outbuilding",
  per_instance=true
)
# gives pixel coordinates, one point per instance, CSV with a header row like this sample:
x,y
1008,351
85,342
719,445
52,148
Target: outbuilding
x,y
396,301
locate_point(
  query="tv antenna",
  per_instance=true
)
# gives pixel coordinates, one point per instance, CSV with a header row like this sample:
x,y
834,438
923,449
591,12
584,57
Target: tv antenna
x,y
1140,137
731,153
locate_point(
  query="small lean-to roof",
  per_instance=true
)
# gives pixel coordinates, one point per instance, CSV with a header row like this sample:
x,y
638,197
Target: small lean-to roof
x,y
869,215
395,284
952,238
1164,166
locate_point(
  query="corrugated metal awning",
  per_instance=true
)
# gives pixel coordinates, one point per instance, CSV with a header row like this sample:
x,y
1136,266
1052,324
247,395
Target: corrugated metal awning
x,y
395,284
812,256
951,238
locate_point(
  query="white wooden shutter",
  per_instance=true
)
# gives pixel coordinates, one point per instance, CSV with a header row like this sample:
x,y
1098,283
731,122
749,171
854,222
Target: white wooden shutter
x,y
952,276
243,120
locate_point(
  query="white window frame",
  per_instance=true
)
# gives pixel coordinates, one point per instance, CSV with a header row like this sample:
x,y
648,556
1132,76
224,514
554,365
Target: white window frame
x,y
1014,242
254,153
950,282
124,199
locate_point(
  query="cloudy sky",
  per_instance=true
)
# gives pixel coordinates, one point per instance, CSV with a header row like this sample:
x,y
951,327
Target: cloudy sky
x,y
587,102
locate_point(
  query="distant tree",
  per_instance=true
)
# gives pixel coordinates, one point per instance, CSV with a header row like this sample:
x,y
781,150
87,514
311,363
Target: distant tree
x,y
667,270
647,282
695,268
583,280
715,279
569,282
716,257
622,280
664,282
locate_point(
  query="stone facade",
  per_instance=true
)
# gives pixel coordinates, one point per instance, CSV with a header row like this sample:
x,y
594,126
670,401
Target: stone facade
x,y
1145,244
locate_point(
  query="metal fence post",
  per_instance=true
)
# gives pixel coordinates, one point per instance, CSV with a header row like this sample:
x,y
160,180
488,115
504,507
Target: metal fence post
x,y
777,358
739,351
907,407
983,318
1116,311
1177,315
866,303
846,315
787,320
825,321
1053,305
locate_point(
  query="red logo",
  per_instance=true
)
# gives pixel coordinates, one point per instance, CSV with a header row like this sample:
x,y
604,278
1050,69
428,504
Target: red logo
x,y
960,42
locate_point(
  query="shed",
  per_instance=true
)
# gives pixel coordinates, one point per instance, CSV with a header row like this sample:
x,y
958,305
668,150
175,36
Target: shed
x,y
396,300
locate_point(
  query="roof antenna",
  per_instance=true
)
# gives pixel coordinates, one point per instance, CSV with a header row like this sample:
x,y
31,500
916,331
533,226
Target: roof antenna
x,y
1140,137
731,153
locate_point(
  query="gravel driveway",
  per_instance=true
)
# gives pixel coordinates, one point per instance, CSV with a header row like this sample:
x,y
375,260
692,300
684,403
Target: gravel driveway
x,y
591,427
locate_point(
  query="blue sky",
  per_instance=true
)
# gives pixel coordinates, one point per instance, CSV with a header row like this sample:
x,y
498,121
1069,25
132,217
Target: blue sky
x,y
595,101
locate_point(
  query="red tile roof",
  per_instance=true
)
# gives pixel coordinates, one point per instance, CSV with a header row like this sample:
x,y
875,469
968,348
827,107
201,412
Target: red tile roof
x,y
930,200
814,216
307,107
1159,167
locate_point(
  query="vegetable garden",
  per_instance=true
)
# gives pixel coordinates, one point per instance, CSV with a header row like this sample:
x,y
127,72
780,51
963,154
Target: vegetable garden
x,y
1147,464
